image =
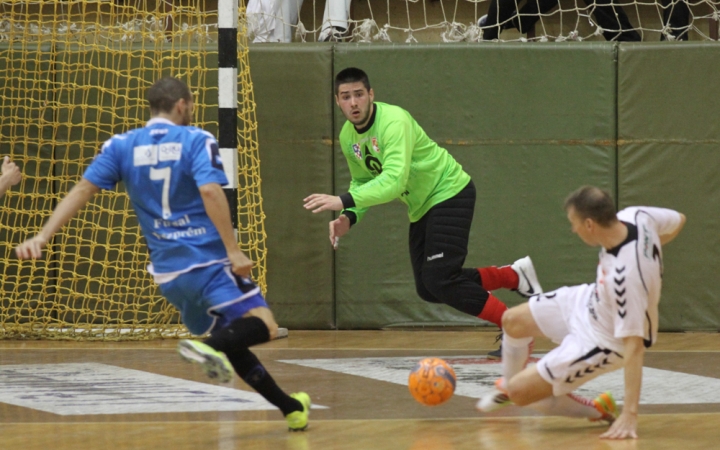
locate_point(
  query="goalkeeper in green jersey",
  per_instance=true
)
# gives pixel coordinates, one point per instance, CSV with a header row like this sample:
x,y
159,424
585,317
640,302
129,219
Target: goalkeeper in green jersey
x,y
390,157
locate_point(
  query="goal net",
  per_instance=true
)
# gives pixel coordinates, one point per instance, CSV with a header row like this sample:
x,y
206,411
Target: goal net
x,y
460,20
72,74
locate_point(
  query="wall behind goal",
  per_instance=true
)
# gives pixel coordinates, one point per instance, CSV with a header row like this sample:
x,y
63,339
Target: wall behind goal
x,y
669,155
530,124
295,128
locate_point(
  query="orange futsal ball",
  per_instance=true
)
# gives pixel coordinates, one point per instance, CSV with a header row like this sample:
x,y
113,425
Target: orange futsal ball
x,y
432,381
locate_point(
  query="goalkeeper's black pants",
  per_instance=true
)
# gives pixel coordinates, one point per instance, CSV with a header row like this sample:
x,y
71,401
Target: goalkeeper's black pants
x,y
438,247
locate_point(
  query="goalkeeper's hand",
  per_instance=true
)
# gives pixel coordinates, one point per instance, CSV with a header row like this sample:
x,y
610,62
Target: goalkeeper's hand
x,y
338,227
323,202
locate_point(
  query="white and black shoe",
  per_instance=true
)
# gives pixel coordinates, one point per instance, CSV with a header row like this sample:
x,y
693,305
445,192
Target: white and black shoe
x,y
528,284
482,21
493,400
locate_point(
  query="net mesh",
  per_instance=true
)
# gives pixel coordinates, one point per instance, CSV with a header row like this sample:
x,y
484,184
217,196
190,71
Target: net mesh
x,y
457,20
72,74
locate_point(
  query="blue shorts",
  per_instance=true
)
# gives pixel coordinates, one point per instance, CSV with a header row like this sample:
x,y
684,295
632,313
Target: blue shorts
x,y
212,297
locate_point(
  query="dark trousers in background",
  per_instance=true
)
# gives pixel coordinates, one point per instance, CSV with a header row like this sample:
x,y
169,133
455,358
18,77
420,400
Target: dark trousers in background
x,y
607,16
676,16
438,247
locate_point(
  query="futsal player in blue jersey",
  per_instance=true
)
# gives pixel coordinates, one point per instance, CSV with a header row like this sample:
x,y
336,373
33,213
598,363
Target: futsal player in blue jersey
x,y
173,175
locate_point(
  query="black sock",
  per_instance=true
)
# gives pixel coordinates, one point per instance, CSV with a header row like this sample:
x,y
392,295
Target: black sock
x,y
244,332
249,368
234,341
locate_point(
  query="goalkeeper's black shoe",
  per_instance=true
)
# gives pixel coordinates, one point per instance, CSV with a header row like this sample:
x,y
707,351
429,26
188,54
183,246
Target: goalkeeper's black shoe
x,y
496,354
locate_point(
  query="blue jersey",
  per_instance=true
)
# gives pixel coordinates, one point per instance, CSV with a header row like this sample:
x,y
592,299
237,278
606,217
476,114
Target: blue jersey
x,y
162,166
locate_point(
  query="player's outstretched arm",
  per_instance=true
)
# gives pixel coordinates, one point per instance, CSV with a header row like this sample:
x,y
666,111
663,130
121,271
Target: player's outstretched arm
x,y
75,200
626,425
665,238
217,208
11,175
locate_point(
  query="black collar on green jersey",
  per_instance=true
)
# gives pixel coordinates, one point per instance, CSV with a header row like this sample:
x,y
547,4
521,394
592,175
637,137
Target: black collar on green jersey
x,y
631,236
370,122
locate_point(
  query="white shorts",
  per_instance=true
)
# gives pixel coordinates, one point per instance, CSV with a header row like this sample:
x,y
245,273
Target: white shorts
x,y
578,359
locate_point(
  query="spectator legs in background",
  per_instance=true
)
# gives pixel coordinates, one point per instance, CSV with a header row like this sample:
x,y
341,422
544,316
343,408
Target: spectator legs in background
x,y
272,20
676,16
613,20
498,18
335,20
530,13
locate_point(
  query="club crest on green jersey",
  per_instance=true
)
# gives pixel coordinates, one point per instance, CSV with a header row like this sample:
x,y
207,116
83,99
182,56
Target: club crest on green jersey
x,y
372,163
356,149
375,145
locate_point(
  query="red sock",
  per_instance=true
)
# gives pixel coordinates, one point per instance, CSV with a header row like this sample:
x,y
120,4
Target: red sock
x,y
493,310
496,278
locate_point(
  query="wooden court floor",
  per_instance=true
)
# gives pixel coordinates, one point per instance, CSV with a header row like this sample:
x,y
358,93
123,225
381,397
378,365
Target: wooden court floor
x,y
360,412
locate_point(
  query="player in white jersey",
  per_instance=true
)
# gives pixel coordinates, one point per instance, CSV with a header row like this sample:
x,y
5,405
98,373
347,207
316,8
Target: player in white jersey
x,y
600,327
173,174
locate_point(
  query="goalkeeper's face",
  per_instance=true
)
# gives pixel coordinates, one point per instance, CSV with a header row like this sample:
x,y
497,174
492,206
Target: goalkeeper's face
x,y
355,101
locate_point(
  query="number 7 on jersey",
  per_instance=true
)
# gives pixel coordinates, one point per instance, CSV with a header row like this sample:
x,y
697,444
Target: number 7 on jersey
x,y
164,176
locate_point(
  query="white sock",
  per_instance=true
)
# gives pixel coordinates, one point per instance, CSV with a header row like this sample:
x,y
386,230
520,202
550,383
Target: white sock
x,y
567,405
515,354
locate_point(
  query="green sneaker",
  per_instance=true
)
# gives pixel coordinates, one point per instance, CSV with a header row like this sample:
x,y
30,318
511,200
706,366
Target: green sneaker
x,y
214,363
298,420
605,404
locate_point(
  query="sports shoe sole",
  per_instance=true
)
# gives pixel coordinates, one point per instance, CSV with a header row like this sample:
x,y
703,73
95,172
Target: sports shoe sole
x,y
214,365
495,355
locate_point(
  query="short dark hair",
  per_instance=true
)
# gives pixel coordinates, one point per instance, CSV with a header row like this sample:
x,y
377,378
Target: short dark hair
x,y
351,75
590,202
165,92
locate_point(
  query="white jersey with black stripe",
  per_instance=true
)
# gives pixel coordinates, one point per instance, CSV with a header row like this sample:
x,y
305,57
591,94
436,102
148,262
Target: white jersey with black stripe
x,y
629,280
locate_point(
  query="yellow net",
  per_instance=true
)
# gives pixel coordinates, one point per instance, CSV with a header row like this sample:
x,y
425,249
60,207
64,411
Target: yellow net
x,y
72,74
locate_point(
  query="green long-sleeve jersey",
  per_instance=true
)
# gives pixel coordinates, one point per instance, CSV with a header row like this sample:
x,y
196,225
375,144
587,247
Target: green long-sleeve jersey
x,y
392,157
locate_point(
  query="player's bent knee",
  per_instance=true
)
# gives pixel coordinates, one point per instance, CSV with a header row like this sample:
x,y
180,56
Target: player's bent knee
x,y
510,323
426,295
439,288
272,328
517,322
268,319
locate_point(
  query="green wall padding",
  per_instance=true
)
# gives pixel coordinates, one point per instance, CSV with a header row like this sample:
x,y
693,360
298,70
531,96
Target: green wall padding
x,y
529,124
294,113
669,156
